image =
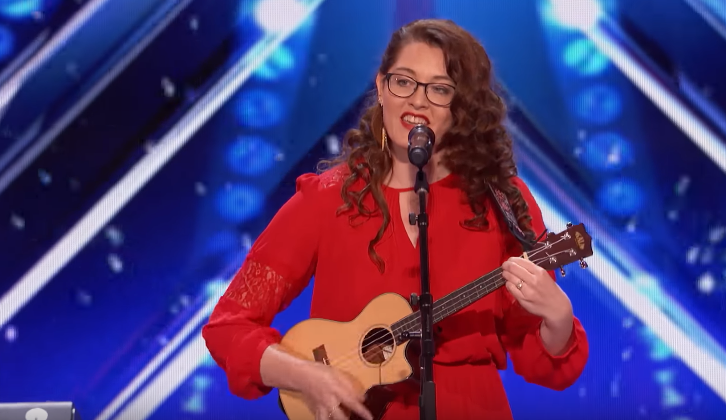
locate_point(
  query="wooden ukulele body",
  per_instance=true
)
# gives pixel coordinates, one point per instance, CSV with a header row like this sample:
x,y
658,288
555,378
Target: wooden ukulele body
x,y
364,349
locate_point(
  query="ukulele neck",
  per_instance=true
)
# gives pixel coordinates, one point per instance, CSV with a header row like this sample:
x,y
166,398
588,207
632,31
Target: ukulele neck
x,y
450,304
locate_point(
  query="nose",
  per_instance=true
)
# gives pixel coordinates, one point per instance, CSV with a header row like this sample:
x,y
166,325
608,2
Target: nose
x,y
419,99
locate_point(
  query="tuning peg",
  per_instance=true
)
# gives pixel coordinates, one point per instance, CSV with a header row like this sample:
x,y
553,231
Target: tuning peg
x,y
569,224
583,264
562,272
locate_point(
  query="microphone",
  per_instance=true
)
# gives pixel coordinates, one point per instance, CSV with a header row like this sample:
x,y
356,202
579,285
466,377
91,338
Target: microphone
x,y
420,145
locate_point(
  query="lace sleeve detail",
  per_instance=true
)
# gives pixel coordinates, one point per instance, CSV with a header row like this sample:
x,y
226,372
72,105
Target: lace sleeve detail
x,y
333,177
259,289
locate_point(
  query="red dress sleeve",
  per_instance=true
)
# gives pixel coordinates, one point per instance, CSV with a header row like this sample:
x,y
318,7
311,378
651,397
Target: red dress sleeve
x,y
519,330
277,268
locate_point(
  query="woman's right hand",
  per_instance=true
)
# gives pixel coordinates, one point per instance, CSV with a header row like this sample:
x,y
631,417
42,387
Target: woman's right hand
x,y
330,394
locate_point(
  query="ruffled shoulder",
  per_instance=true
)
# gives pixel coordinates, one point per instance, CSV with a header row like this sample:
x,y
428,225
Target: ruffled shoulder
x,y
335,176
322,191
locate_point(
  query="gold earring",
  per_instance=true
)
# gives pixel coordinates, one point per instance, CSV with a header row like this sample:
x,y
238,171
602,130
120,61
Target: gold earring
x,y
384,138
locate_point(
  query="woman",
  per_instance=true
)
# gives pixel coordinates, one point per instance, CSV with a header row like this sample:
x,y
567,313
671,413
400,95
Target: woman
x,y
433,73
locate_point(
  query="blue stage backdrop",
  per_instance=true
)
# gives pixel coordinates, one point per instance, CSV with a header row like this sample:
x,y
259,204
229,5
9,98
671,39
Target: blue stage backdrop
x,y
144,146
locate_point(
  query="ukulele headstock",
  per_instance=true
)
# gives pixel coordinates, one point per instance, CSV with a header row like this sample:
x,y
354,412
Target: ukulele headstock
x,y
559,249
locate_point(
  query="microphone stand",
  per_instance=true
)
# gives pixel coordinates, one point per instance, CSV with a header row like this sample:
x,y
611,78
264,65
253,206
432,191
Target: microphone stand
x,y
427,398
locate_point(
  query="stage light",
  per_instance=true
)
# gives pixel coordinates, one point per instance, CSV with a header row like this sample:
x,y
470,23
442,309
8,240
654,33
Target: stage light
x,y
251,155
114,235
716,234
659,350
279,63
195,404
663,97
7,42
115,263
214,289
607,152
583,56
575,14
259,109
671,397
664,376
280,15
239,203
598,104
11,334
19,9
621,197
201,382
706,283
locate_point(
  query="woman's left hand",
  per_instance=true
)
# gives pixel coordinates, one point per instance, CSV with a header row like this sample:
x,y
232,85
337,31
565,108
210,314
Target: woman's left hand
x,y
534,289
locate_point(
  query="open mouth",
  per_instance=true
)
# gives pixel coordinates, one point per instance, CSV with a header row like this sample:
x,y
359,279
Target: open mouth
x,y
414,119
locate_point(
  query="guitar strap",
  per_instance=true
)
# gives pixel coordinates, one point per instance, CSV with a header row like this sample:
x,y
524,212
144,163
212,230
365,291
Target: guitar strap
x,y
506,210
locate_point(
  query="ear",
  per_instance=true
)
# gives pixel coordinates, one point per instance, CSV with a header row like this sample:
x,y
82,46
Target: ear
x,y
380,80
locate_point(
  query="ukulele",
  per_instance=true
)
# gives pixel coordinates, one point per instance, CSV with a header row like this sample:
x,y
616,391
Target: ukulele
x,y
372,349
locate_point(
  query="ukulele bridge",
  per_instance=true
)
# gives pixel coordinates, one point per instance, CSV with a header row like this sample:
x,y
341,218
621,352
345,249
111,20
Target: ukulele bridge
x,y
321,355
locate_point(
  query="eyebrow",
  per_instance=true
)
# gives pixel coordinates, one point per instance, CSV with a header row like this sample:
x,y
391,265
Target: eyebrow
x,y
408,70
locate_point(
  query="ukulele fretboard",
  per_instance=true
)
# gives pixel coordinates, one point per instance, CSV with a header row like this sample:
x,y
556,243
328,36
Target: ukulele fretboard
x,y
451,303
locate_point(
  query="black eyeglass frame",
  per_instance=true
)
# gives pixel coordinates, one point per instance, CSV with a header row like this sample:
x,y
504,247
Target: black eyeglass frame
x,y
425,86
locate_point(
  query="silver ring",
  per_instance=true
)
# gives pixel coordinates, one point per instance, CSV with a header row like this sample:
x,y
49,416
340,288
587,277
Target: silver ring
x,y
519,286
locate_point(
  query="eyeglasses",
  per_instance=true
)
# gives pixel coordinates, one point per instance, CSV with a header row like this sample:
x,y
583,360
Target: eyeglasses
x,y
440,94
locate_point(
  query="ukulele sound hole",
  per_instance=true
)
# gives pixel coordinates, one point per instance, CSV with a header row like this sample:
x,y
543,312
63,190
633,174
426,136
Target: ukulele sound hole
x,y
378,346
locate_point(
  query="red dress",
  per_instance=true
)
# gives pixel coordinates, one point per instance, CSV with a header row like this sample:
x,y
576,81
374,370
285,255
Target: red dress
x,y
306,238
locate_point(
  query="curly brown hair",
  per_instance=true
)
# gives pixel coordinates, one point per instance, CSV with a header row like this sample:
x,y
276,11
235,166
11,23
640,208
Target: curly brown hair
x,y
477,148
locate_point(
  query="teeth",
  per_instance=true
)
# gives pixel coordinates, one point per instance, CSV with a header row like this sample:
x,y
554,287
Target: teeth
x,y
414,120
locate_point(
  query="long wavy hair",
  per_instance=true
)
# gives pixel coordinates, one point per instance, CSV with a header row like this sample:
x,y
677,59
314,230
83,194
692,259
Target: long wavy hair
x,y
477,148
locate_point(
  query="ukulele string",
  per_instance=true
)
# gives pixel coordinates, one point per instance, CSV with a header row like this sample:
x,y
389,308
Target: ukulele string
x,y
384,338
487,278
468,288
472,288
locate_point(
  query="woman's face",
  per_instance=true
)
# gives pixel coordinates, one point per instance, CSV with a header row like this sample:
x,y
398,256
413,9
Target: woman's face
x,y
416,62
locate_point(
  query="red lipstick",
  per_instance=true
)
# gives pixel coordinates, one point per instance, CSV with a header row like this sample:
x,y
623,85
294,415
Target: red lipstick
x,y
409,126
